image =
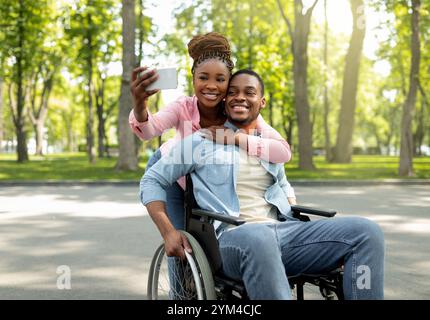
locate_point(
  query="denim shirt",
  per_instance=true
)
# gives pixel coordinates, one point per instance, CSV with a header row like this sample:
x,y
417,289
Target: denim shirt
x,y
213,168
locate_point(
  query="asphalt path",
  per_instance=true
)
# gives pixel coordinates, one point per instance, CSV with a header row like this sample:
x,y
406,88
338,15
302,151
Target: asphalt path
x,y
104,239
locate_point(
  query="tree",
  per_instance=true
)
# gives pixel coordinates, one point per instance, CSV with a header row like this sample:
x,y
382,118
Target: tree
x,y
406,142
108,52
43,76
67,114
299,45
23,25
94,37
343,148
1,113
327,144
1,94
127,159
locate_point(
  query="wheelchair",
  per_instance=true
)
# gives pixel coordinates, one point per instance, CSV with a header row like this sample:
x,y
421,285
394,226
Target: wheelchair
x,y
200,276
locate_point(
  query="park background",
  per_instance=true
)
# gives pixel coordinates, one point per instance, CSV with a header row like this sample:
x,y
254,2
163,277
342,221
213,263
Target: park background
x,y
347,82
348,89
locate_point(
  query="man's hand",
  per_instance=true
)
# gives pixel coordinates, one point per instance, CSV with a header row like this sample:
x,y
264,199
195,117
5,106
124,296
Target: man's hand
x,y
175,242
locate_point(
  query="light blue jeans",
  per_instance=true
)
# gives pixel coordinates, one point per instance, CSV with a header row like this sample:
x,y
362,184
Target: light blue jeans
x,y
262,255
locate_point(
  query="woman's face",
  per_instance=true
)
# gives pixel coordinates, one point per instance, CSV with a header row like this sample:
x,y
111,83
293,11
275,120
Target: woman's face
x,y
210,82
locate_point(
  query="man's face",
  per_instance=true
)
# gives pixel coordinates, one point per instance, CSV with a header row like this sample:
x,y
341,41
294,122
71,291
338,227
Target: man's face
x,y
244,100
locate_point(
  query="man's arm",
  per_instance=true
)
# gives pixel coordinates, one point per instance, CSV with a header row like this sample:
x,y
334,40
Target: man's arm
x,y
174,241
153,195
286,187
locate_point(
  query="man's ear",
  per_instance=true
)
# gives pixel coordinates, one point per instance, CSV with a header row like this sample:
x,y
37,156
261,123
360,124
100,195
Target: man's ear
x,y
263,103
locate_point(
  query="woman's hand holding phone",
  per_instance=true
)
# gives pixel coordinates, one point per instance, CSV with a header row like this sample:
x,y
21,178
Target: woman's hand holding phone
x,y
141,78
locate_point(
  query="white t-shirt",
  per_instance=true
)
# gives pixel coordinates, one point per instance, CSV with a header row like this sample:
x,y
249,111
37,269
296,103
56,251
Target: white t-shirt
x,y
251,185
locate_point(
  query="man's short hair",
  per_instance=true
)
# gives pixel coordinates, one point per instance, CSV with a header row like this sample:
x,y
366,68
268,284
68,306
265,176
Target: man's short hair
x,y
251,73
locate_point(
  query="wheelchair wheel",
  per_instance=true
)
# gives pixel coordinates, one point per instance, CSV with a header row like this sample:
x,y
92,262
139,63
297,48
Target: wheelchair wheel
x,y
175,279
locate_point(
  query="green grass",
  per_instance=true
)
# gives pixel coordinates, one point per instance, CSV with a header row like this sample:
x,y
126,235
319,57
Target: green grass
x,y
75,166
70,166
361,168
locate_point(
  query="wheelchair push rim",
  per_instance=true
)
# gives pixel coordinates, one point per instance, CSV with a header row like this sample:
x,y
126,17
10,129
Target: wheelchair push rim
x,y
195,281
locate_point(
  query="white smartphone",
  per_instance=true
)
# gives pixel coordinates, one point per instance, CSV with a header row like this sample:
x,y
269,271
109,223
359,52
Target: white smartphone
x,y
167,79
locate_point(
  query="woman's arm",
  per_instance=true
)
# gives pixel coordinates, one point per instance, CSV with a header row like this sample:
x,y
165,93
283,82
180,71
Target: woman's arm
x,y
142,123
157,123
271,146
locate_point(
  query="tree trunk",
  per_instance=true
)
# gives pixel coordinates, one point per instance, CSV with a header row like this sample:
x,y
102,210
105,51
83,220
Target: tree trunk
x,y
301,36
378,139
1,115
419,132
38,114
327,144
421,119
39,136
387,142
157,108
343,148
127,159
90,120
299,44
101,134
288,129
189,77
68,121
21,135
271,109
406,140
140,31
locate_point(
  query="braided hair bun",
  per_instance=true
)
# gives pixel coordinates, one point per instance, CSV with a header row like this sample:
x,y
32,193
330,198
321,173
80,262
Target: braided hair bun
x,y
210,46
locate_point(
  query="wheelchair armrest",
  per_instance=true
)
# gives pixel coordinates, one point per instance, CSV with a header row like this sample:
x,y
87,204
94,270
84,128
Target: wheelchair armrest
x,y
219,216
302,209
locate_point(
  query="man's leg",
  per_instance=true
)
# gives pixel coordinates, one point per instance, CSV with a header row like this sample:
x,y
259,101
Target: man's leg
x,y
251,253
323,245
175,206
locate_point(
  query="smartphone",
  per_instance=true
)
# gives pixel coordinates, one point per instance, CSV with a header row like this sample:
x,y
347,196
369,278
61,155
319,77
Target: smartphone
x,y
167,79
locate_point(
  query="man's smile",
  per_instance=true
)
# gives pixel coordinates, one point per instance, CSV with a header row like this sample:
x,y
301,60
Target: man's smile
x,y
239,107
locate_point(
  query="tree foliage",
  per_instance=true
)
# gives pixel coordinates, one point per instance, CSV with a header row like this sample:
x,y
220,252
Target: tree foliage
x,y
61,55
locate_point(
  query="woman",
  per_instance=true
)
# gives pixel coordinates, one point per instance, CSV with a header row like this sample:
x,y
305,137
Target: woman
x,y
211,71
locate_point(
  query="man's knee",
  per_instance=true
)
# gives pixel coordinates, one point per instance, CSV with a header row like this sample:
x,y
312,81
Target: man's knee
x,y
367,230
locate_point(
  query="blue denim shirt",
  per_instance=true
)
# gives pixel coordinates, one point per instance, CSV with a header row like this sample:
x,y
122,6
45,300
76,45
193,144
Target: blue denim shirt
x,y
213,168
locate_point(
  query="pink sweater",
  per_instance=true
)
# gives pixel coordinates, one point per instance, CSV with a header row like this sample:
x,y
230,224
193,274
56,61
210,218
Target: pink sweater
x,y
183,114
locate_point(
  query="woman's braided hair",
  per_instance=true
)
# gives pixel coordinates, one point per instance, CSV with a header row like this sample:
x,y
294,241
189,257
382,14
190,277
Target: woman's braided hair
x,y
211,45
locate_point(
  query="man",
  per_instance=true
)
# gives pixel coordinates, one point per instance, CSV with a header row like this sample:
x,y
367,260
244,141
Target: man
x,y
262,251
